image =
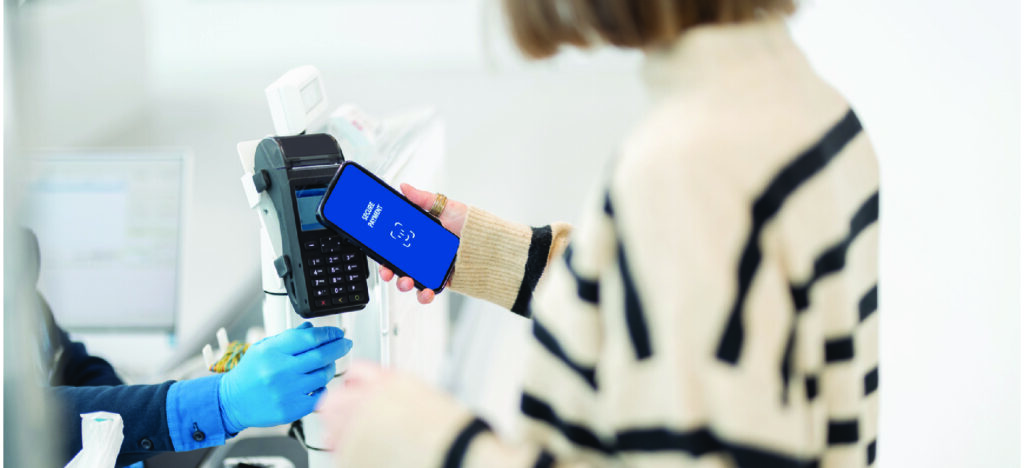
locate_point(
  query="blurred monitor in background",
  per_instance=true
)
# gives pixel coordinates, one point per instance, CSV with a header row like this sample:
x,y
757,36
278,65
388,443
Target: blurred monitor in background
x,y
109,224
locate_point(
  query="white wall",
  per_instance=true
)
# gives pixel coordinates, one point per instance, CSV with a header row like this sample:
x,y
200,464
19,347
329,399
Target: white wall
x,y
937,85
81,69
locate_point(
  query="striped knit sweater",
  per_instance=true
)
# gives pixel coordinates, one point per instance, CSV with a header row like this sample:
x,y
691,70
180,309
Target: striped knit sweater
x,y
716,305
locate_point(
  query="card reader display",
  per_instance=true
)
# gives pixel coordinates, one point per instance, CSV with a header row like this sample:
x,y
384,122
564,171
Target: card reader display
x,y
323,273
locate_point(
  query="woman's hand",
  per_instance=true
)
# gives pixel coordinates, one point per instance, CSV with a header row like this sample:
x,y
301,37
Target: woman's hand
x,y
339,406
452,218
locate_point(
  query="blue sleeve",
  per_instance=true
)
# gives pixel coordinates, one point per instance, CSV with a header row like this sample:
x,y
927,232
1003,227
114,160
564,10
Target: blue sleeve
x,y
142,407
172,416
193,414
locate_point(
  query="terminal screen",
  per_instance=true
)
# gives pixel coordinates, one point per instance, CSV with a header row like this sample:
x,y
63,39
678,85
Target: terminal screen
x,y
306,201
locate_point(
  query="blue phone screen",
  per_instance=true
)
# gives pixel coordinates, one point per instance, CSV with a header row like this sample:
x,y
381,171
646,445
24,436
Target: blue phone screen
x,y
391,227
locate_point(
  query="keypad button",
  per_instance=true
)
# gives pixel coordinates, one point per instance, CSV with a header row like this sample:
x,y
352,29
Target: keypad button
x,y
317,272
336,270
340,301
356,297
319,282
351,287
322,302
332,259
315,261
349,257
351,267
330,249
353,278
311,245
320,293
335,280
339,290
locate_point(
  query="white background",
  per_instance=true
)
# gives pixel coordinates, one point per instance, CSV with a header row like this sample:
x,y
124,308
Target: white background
x,y
935,83
938,87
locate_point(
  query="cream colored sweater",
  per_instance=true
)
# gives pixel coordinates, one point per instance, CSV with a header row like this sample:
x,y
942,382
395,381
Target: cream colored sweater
x,y
716,306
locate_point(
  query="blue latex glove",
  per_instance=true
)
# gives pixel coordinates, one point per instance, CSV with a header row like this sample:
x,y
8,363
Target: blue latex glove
x,y
280,378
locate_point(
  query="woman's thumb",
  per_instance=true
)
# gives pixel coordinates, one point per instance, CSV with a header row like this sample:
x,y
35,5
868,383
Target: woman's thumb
x,y
421,198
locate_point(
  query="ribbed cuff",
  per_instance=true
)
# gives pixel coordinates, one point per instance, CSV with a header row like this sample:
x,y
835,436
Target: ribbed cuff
x,y
492,258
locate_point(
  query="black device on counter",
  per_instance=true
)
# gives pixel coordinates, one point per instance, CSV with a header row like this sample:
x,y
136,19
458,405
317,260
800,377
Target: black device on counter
x,y
323,273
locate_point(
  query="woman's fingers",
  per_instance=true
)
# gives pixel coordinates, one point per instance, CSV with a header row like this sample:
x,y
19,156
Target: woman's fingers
x,y
453,218
405,284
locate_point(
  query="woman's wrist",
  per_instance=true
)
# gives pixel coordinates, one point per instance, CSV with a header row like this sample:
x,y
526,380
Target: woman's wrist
x,y
491,258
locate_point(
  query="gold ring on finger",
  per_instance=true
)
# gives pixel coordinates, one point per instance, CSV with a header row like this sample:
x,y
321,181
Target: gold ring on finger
x,y
440,201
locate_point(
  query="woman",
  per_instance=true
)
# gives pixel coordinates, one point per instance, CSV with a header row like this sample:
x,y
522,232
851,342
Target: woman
x,y
715,307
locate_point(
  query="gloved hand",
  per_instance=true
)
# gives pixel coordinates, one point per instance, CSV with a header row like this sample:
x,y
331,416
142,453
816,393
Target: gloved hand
x,y
281,377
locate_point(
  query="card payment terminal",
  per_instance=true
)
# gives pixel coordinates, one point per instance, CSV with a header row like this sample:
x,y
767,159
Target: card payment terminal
x,y
322,273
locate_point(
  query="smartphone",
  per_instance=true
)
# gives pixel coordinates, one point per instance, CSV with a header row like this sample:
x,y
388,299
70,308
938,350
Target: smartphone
x,y
388,227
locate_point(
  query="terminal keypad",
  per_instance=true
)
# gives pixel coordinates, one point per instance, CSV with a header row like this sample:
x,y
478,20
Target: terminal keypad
x,y
337,272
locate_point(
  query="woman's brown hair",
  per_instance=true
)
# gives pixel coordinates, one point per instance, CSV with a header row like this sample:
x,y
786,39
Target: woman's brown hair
x,y
540,27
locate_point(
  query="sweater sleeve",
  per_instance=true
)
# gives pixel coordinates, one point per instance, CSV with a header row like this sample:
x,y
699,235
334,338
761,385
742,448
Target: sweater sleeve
x,y
432,430
501,261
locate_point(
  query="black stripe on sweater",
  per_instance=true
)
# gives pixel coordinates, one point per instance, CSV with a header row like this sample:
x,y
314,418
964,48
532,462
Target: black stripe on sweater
x,y
536,261
457,451
549,342
701,442
834,258
533,407
636,323
696,443
767,205
839,349
868,304
588,290
872,451
843,432
811,387
787,362
544,460
871,381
